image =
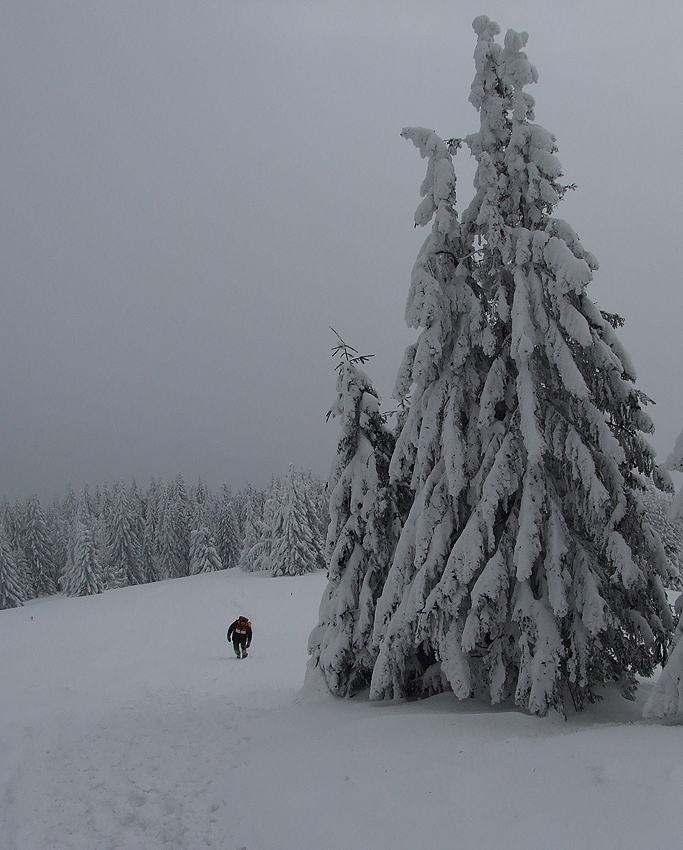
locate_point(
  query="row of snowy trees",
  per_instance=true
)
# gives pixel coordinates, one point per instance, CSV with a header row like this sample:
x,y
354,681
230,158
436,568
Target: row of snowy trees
x,y
496,540
122,536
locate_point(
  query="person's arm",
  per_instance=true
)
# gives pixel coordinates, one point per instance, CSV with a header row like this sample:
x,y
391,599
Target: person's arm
x,y
248,635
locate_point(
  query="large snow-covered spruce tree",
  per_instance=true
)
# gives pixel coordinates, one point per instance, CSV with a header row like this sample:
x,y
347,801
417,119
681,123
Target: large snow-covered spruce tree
x,y
361,534
438,446
538,573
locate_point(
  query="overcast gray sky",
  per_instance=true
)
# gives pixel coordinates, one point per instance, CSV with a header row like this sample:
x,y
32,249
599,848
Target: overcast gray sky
x,y
193,191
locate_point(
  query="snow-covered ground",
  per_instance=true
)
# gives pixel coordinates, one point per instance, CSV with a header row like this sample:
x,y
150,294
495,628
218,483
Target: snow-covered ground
x,y
126,722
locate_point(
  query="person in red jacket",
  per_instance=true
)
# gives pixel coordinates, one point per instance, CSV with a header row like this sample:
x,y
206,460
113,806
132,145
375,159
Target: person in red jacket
x,y
240,635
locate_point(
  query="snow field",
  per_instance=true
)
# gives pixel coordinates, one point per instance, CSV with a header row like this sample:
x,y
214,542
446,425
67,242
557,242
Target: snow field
x,y
127,722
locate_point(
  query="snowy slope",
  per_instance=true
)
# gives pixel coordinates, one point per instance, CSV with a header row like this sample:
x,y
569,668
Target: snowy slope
x,y
125,722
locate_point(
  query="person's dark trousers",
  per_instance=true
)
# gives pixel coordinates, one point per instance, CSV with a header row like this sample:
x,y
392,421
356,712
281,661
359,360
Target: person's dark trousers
x,y
239,643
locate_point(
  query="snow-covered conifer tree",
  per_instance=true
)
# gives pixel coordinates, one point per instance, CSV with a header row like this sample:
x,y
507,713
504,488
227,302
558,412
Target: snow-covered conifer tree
x,y
247,502
149,551
662,515
173,535
123,545
165,537
253,528
83,574
674,462
203,555
11,520
256,550
666,698
361,535
181,512
12,593
437,450
60,520
227,539
550,579
294,548
200,497
317,507
38,548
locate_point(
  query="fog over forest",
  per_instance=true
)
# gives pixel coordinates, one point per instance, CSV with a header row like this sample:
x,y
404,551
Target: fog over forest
x,y
193,195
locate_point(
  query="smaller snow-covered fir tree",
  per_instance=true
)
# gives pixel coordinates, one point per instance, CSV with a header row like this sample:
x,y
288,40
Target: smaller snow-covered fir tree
x,y
666,698
173,534
317,509
60,519
361,533
258,531
165,538
295,548
123,545
12,592
227,539
38,548
149,549
674,462
662,515
83,573
10,526
181,513
203,555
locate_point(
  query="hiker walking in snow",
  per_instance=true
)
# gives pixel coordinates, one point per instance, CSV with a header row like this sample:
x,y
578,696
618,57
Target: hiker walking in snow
x,y
240,635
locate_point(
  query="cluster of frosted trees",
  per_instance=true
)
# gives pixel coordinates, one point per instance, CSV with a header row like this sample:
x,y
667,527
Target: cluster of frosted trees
x,y
122,536
496,541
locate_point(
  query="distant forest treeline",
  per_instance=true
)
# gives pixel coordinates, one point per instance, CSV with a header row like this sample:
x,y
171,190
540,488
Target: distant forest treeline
x,y
121,535
117,536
